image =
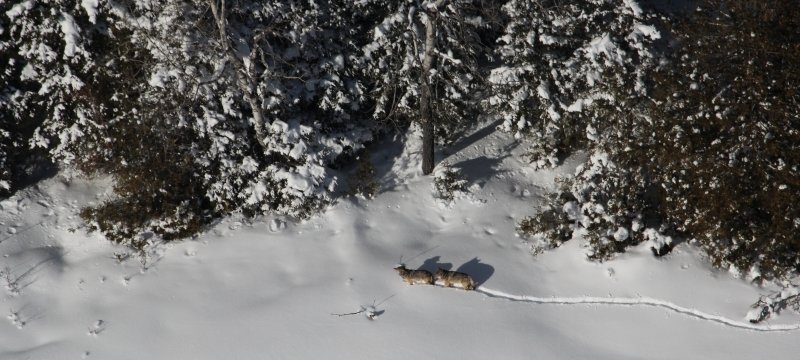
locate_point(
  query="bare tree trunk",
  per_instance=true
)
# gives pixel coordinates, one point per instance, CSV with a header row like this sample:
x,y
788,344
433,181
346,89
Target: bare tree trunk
x,y
425,98
244,78
428,161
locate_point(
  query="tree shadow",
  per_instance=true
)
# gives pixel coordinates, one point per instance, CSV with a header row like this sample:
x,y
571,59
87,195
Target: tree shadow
x,y
28,167
21,231
385,152
30,314
466,142
22,276
480,272
480,168
432,264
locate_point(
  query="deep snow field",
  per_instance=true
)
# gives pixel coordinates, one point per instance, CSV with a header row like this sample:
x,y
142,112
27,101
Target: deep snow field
x,y
269,288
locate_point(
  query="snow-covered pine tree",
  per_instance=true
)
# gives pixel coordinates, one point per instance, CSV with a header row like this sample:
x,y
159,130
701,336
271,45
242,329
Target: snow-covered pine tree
x,y
575,75
9,82
727,156
149,92
47,59
423,62
307,90
712,158
565,66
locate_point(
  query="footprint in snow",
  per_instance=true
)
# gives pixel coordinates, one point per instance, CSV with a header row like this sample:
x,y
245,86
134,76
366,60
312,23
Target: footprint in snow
x,y
16,320
98,327
277,225
236,225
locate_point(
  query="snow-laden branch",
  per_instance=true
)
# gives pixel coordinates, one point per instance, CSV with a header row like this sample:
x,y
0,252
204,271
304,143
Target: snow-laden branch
x,y
244,76
447,57
637,301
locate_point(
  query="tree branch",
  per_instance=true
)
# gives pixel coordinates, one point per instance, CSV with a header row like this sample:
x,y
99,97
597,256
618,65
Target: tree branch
x,y
244,76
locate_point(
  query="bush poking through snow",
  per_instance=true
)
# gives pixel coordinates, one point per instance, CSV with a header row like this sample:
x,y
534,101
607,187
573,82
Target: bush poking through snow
x,y
152,194
448,182
606,204
546,230
11,282
768,305
554,224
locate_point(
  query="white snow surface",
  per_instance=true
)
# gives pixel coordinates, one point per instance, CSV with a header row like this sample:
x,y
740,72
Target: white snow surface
x,y
268,288
71,33
19,9
91,9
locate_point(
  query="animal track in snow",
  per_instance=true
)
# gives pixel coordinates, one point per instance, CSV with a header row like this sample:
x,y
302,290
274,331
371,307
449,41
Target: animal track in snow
x,y
638,301
277,225
98,327
16,320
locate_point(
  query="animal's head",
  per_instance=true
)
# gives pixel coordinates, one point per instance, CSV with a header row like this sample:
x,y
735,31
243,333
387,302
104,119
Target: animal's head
x,y
400,268
440,271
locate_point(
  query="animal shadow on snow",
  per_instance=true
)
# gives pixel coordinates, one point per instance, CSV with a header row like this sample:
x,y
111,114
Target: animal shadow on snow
x,y
431,264
480,272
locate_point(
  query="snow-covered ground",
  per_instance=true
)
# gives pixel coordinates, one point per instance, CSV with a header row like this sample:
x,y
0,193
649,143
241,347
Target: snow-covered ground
x,y
270,288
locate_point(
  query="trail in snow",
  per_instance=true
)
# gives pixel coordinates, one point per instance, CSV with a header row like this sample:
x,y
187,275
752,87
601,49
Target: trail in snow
x,y
643,301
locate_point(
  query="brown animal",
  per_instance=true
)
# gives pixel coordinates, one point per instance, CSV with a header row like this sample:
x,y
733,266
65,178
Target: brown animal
x,y
451,278
414,276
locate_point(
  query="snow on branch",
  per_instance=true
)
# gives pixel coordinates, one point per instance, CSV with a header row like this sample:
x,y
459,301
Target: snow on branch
x,y
774,303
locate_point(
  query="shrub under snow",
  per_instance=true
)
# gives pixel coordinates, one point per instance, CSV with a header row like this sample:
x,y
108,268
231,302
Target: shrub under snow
x,y
712,157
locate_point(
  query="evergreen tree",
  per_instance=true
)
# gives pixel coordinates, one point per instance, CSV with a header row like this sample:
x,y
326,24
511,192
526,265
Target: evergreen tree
x,y
48,61
711,157
197,108
566,66
424,64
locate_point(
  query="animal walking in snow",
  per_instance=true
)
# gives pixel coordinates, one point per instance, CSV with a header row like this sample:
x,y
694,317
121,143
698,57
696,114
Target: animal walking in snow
x,y
414,276
455,278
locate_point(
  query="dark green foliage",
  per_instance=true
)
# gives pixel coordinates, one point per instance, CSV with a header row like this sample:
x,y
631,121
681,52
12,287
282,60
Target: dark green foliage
x,y
730,176
156,186
713,156
566,67
447,182
393,61
552,227
144,92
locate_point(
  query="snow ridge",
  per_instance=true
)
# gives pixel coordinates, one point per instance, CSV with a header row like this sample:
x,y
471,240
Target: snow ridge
x,y
643,301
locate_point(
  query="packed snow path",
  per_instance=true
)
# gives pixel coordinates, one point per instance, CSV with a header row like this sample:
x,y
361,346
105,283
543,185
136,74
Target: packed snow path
x,y
643,301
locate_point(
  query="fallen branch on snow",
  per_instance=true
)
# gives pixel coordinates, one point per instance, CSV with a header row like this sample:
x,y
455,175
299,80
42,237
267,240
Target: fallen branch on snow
x,y
768,305
363,309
